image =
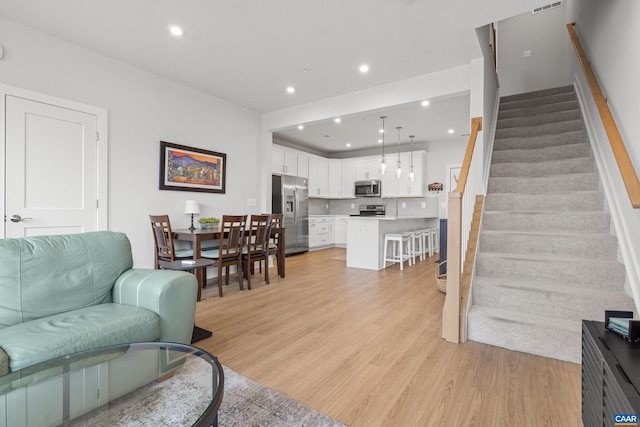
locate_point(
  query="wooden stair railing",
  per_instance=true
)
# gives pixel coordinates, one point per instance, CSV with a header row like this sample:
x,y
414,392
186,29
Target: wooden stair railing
x,y
627,171
452,328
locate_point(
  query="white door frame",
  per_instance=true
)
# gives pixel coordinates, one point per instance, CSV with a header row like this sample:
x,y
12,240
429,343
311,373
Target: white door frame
x,y
102,165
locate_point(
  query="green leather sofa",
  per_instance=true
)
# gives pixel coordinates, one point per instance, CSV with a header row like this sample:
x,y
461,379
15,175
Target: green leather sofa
x,y
68,293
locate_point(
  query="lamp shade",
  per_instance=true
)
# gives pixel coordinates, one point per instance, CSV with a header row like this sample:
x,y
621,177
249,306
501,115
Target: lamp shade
x,y
191,207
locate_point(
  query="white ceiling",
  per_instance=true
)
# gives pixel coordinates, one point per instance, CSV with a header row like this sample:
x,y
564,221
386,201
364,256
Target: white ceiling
x,y
248,51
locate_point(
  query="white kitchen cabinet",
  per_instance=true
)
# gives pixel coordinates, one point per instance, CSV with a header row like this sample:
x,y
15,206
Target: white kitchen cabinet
x,y
335,178
341,231
348,177
318,177
289,162
368,168
313,233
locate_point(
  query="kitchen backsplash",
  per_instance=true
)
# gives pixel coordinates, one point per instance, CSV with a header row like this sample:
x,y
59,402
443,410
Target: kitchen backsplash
x,y
410,206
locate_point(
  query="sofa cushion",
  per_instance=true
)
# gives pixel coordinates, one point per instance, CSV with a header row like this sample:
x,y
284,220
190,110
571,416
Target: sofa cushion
x,y
97,326
45,275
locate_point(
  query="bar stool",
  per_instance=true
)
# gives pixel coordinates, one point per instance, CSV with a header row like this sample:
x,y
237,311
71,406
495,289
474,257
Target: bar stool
x,y
418,247
427,241
435,241
402,244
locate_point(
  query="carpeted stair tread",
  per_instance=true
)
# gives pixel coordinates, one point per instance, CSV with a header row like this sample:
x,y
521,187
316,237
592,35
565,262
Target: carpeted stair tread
x,y
588,272
554,168
550,221
538,119
536,94
544,184
528,333
542,129
541,141
535,155
539,109
583,245
560,201
553,299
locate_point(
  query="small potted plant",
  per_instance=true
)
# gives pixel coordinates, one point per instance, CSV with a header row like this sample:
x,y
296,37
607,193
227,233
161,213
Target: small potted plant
x,y
210,222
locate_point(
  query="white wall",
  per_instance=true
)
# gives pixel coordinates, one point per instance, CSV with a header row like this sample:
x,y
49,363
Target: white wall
x,y
441,154
609,33
143,110
545,35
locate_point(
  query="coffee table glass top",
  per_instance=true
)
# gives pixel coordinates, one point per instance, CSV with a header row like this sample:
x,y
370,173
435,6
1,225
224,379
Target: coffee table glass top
x,y
159,384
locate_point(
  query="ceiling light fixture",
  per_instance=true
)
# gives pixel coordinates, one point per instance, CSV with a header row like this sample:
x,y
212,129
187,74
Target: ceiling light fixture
x,y
348,145
176,30
399,171
291,89
450,131
300,127
425,103
411,158
337,120
383,164
364,68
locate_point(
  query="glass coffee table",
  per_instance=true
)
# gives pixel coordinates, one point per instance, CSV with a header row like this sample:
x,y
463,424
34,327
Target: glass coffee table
x,y
142,384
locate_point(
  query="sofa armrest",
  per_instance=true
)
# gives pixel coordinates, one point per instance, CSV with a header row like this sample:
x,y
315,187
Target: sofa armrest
x,y
170,294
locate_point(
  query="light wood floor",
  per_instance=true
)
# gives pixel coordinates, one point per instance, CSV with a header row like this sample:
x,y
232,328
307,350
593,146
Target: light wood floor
x,y
364,347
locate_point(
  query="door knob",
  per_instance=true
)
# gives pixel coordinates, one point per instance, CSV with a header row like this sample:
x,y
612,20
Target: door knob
x,y
17,218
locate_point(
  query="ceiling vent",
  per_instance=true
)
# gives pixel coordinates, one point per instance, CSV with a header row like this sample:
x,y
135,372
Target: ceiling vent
x,y
546,7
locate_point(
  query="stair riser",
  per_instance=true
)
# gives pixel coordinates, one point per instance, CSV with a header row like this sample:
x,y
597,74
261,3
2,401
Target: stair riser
x,y
569,202
571,245
542,141
561,152
528,338
604,275
534,102
545,129
540,169
538,119
542,109
561,90
543,185
566,222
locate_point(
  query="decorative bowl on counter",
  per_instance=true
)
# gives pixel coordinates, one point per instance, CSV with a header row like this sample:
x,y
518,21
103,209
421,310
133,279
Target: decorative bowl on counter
x,y
208,223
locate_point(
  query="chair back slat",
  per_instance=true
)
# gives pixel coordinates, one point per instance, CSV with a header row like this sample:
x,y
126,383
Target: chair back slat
x,y
258,241
232,238
163,237
276,223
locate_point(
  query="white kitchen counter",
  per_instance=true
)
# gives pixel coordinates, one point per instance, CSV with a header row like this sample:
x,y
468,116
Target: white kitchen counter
x,y
365,237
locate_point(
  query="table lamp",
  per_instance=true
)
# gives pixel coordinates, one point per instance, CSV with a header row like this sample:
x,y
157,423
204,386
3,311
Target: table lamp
x,y
191,207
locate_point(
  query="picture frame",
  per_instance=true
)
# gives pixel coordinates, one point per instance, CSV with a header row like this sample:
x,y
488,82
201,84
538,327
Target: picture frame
x,y
184,168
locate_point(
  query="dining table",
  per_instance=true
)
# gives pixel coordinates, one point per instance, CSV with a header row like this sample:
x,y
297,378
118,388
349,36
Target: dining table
x,y
199,235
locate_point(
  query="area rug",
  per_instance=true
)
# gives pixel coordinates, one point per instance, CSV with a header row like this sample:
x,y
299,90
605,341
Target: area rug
x,y
245,403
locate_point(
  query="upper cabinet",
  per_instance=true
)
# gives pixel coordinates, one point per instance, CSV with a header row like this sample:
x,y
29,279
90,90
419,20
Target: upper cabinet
x,y
318,177
368,168
335,178
404,186
289,162
348,178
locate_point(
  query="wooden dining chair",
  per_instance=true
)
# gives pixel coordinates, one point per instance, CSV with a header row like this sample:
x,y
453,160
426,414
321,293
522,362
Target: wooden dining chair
x,y
257,247
163,238
274,239
229,252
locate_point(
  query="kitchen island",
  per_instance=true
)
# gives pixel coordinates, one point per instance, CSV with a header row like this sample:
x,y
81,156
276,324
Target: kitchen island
x,y
365,237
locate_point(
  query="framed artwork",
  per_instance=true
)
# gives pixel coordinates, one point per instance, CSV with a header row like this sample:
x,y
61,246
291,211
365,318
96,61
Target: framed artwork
x,y
185,168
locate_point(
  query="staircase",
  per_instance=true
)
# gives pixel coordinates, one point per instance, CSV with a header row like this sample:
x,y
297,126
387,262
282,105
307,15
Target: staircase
x,y
546,258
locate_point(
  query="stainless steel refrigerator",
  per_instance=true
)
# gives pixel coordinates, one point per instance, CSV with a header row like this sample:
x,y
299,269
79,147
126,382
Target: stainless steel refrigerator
x,y
290,196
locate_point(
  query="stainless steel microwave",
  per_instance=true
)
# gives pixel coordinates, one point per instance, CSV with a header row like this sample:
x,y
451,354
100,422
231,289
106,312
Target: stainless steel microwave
x,y
368,188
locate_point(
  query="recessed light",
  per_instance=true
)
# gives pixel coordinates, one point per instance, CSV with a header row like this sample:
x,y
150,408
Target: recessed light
x,y
379,141
348,145
381,131
364,68
176,31
300,127
450,131
291,89
337,120
425,103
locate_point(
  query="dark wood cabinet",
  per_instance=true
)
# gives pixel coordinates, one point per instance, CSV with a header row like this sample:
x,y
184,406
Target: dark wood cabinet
x,y
610,375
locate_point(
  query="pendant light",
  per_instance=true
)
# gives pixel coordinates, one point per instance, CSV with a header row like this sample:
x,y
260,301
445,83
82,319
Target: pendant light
x,y
383,165
399,171
411,158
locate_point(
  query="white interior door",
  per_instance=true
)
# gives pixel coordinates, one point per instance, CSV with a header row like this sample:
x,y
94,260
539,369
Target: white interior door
x,y
51,168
